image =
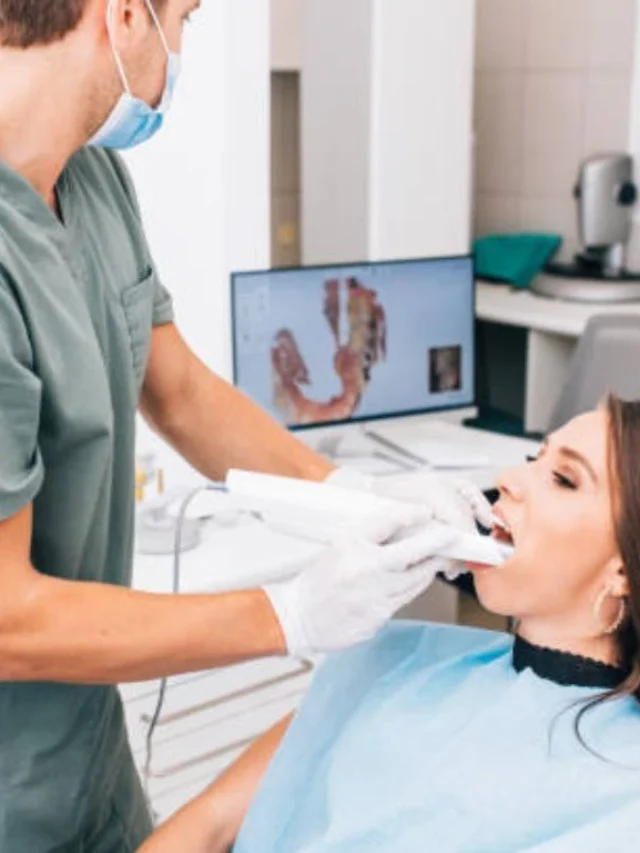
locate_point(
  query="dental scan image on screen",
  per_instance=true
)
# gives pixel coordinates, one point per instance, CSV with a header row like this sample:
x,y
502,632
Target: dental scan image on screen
x,y
333,344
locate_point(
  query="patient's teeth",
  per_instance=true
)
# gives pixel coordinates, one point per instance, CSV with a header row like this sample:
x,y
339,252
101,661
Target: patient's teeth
x,y
498,522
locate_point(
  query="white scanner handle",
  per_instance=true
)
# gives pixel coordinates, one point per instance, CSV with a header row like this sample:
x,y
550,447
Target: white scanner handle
x,y
322,508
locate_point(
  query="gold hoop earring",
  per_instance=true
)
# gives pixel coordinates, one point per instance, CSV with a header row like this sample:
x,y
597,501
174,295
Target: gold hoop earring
x,y
597,612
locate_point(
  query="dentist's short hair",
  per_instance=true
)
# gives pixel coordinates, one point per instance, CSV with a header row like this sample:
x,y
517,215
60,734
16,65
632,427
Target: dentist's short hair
x,y
31,23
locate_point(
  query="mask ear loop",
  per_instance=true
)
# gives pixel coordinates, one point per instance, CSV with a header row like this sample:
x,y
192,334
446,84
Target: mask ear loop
x,y
156,21
165,44
116,55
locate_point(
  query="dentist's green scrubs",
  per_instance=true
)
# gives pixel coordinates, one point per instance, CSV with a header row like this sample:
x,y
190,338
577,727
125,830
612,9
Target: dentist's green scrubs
x,y
78,300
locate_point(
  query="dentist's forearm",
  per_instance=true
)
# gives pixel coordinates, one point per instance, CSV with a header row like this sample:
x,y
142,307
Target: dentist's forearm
x,y
218,428
212,424
72,632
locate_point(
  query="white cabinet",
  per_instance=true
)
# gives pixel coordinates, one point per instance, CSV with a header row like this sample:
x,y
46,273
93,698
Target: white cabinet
x,y
207,720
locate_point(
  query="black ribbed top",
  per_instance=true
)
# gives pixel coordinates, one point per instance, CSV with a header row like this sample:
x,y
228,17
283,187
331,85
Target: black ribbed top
x,y
565,668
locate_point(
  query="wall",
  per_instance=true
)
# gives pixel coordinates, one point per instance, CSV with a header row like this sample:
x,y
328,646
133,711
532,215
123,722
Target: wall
x,y
203,182
634,134
422,133
285,34
553,85
387,101
336,118
286,192
286,198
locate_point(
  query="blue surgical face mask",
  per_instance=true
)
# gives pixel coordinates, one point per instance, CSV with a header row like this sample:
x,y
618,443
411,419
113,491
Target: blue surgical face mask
x,y
132,121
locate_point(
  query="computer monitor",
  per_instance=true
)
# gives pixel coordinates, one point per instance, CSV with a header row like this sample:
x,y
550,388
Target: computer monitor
x,y
335,344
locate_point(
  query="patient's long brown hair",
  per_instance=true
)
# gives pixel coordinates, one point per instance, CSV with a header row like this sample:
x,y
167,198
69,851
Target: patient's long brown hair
x,y
624,467
624,474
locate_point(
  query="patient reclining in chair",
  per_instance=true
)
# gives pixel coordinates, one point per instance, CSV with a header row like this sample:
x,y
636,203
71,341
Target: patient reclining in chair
x,y
456,740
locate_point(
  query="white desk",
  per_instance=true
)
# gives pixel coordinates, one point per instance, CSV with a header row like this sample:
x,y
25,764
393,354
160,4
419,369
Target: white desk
x,y
553,330
501,450
209,718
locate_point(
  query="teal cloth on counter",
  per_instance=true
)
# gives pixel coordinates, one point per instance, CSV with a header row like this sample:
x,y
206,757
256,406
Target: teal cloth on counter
x,y
514,258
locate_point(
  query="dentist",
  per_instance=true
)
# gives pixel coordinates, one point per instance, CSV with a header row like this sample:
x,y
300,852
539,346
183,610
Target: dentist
x,y
86,339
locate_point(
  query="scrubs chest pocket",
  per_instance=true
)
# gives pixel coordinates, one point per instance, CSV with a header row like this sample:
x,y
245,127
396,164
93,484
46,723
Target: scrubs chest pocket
x,y
137,304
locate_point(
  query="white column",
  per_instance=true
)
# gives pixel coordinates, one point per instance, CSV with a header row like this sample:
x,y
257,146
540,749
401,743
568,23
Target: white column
x,y
387,128
203,182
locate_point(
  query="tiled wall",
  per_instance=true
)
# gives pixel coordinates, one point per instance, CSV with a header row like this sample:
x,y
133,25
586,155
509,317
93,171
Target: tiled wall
x,y
285,169
553,83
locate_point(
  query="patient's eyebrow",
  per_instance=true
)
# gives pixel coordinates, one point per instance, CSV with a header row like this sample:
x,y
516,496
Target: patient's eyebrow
x,y
570,453
582,460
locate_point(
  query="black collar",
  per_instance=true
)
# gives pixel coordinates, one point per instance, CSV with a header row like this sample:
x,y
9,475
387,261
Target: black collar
x,y
565,668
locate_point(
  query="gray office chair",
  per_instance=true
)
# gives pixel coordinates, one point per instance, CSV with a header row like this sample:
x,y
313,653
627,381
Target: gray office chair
x,y
606,359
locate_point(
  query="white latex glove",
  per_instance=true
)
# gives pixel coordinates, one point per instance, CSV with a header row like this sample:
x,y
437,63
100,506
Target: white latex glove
x,y
449,500
352,591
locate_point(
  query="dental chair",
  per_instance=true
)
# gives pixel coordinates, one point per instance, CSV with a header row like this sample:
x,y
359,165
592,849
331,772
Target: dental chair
x,y
606,359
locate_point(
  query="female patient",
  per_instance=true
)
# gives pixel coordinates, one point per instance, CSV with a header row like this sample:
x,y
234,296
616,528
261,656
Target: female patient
x,y
452,739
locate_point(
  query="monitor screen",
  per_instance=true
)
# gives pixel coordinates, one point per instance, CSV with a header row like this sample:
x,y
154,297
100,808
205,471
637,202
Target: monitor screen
x,y
325,345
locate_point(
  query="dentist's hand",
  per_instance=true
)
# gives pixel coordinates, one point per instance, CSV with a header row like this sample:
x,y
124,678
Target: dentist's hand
x,y
451,501
352,591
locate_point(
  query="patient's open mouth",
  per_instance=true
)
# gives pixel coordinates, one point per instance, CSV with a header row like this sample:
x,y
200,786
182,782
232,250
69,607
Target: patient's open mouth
x,y
501,530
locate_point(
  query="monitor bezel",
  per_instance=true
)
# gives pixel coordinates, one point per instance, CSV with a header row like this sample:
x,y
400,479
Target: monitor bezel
x,y
350,265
